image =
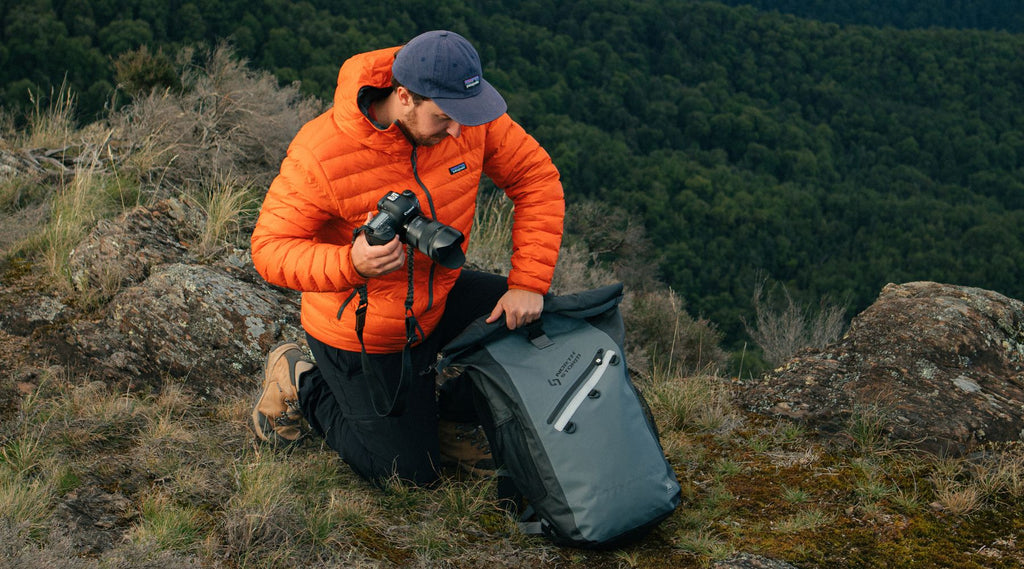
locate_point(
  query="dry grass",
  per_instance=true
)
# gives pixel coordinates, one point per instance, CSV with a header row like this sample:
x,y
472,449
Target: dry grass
x,y
51,122
74,209
200,488
805,520
27,486
229,206
491,244
22,193
782,327
219,139
698,403
491,241
667,336
57,186
227,120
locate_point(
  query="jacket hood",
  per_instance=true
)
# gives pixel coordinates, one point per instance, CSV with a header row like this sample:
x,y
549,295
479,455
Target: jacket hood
x,y
370,69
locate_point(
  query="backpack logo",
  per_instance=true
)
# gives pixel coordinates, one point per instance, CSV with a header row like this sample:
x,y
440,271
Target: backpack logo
x,y
565,368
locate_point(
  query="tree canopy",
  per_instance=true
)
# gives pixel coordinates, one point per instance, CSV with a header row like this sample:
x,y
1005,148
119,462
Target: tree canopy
x,y
832,158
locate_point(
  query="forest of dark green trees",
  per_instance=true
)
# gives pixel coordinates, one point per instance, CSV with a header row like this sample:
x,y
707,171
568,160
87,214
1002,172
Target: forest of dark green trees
x,y
905,14
829,157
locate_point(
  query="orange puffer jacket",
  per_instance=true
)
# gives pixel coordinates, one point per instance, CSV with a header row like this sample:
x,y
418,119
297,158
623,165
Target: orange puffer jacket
x,y
337,168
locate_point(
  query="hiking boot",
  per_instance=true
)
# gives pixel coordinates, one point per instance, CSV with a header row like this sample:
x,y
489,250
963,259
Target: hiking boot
x,y
465,445
276,418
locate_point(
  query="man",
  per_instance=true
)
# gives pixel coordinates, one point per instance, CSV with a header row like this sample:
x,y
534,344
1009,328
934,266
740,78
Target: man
x,y
422,118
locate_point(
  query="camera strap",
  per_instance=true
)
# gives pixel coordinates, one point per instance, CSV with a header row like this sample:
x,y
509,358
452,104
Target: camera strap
x,y
413,332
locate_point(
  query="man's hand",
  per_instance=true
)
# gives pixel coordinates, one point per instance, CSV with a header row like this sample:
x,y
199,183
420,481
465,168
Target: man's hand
x,y
519,306
375,260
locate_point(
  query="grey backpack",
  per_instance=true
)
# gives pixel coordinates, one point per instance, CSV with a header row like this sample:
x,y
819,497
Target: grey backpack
x,y
572,433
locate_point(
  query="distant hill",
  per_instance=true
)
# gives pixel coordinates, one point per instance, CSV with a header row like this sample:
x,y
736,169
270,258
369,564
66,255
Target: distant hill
x,y
749,144
1003,15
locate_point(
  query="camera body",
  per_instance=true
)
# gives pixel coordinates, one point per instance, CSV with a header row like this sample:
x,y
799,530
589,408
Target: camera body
x,y
399,214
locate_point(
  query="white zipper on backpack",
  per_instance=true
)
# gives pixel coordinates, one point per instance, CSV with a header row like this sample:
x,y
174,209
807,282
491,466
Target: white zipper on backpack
x,y
598,366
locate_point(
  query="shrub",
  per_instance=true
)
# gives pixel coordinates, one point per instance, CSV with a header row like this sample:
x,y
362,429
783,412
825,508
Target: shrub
x,y
227,119
139,72
782,327
670,337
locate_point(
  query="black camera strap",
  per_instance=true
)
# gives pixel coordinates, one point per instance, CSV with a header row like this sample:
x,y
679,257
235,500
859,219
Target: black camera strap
x,y
413,332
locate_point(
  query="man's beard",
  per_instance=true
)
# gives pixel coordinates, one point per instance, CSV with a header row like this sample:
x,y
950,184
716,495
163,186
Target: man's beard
x,y
407,125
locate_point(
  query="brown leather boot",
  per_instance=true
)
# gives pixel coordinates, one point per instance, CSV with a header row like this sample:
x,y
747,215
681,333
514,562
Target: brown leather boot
x,y
276,418
465,446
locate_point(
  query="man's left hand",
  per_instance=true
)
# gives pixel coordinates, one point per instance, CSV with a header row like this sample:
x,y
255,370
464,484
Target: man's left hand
x,y
520,307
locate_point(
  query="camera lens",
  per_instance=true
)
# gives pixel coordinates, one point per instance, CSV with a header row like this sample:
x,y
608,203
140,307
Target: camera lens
x,y
438,241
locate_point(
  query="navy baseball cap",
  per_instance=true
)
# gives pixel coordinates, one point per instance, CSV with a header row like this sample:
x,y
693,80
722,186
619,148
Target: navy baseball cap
x,y
444,67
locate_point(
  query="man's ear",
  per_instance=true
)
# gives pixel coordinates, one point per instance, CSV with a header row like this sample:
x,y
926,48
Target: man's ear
x,y
404,96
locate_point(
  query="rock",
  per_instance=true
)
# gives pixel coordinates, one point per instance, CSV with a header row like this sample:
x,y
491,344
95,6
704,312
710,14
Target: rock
x,y
122,251
96,519
939,366
27,310
750,561
163,312
194,322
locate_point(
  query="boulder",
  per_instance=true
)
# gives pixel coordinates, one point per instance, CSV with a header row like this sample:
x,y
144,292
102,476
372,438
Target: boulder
x,y
121,252
937,366
209,322
194,322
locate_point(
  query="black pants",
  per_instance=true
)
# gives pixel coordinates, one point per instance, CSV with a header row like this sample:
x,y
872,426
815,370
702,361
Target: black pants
x,y
335,397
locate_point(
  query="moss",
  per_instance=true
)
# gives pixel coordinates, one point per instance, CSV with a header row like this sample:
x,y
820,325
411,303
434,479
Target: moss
x,y
379,546
13,268
858,528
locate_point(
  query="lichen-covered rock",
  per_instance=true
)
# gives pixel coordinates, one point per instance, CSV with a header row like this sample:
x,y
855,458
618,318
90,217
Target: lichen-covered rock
x,y
751,561
121,252
25,310
194,322
166,313
939,366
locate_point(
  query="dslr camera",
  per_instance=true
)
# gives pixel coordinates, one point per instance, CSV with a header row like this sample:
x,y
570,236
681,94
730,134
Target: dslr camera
x,y
399,214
